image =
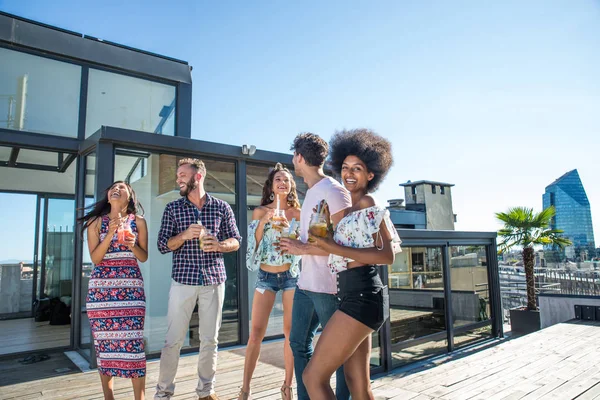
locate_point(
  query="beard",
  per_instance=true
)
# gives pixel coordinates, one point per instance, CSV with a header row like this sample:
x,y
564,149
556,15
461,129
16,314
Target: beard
x,y
189,188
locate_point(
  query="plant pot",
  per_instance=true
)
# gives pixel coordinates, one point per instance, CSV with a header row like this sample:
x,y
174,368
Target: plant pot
x,y
523,321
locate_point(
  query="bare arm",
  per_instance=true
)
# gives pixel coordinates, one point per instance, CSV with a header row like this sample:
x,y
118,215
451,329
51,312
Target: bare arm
x,y
297,248
176,241
229,245
263,215
140,250
96,247
337,217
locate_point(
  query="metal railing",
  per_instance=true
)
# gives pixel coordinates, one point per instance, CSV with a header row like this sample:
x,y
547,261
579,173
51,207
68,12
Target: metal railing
x,y
513,288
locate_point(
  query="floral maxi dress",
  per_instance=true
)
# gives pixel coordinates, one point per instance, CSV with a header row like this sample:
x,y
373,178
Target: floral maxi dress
x,y
116,306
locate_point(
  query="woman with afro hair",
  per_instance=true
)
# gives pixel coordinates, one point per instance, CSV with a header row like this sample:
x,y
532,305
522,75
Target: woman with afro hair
x,y
362,240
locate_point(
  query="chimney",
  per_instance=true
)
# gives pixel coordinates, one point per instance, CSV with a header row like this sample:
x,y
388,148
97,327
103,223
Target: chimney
x,y
396,204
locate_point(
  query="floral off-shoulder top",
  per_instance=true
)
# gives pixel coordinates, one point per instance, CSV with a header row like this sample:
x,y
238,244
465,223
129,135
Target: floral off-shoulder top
x,y
265,252
356,230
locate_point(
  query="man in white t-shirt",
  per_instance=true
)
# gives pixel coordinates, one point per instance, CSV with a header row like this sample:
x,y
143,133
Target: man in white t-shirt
x,y
315,299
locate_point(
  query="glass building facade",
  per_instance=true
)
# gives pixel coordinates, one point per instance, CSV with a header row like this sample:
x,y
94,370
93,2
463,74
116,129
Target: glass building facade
x,y
573,214
77,113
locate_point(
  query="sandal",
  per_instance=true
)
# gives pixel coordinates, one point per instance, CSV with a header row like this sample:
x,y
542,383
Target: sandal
x,y
34,358
286,392
244,395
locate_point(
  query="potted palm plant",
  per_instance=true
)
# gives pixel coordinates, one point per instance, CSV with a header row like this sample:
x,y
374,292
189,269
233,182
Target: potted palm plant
x,y
525,228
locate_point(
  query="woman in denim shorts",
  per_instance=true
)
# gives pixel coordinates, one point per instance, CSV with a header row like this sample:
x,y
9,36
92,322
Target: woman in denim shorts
x,y
276,216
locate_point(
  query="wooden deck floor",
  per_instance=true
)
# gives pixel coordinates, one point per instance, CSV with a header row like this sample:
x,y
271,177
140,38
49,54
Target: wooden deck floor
x,y
560,362
22,335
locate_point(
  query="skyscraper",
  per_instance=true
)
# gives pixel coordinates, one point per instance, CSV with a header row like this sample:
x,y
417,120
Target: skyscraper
x,y
573,213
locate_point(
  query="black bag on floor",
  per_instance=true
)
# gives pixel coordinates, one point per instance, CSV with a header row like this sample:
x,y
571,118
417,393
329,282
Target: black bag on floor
x,y
60,313
41,310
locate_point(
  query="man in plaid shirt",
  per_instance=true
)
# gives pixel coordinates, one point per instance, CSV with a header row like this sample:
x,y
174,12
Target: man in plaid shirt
x,y
198,274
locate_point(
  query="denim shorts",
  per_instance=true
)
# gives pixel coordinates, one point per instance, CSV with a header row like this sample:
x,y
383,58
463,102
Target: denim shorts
x,y
363,296
276,282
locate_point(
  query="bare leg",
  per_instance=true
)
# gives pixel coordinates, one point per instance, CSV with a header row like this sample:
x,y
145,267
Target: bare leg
x,y
261,308
139,388
356,370
288,356
107,387
340,339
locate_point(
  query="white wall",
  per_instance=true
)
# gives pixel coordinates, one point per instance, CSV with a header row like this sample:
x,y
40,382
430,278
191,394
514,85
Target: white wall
x,y
438,208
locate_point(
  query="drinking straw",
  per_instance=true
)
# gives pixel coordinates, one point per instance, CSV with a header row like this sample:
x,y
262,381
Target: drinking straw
x,y
322,209
291,229
277,203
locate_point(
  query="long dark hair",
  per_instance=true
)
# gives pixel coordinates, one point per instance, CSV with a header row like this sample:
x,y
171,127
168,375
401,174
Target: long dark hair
x,y
292,199
102,206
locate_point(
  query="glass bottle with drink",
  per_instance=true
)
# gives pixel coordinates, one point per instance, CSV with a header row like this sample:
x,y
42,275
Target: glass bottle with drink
x,y
278,220
318,225
291,231
203,233
124,231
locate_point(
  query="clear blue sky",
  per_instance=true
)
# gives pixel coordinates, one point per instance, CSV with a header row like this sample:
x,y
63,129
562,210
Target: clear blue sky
x,y
498,98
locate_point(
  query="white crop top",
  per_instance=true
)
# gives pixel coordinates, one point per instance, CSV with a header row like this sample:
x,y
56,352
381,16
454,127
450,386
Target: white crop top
x,y
356,230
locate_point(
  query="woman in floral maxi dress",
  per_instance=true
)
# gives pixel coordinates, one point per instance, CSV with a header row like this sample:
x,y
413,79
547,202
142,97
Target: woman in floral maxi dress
x,y
116,304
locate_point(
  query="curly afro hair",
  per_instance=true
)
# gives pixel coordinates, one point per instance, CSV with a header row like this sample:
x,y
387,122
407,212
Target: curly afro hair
x,y
375,151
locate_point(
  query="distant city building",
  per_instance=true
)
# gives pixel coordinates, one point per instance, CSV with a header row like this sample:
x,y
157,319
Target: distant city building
x,y
573,214
426,205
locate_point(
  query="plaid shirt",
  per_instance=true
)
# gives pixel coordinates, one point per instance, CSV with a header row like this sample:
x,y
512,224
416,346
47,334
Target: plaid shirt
x,y
192,266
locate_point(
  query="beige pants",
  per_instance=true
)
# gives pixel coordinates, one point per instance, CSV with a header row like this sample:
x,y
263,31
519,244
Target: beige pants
x,y
182,300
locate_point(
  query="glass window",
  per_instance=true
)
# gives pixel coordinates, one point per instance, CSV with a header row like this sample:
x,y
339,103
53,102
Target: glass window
x,y
37,263
470,291
16,261
39,157
39,171
90,175
417,306
39,94
132,103
5,154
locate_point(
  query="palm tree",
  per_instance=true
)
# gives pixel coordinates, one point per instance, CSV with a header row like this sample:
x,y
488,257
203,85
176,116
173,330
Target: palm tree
x,y
523,227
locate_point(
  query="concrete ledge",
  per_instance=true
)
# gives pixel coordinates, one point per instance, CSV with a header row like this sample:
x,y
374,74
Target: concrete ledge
x,y
557,308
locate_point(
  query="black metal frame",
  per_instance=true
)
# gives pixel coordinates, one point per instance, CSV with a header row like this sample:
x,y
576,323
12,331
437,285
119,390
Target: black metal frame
x,y
444,240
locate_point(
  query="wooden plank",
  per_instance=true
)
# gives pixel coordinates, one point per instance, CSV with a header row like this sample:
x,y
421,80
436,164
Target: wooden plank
x,y
592,393
24,335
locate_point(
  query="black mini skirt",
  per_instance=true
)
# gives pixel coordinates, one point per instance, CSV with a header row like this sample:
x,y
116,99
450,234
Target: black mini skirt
x,y
363,296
